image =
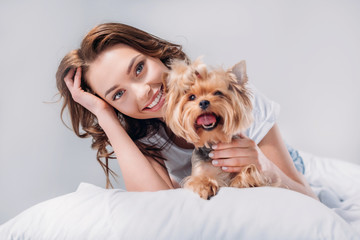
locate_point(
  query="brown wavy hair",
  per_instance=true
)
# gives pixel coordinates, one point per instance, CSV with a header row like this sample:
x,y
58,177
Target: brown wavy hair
x,y
94,43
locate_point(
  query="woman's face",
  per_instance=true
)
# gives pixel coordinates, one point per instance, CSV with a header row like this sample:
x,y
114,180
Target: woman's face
x,y
129,81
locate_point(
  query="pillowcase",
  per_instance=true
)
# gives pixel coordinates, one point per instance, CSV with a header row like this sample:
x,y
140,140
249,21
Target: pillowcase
x,y
252,213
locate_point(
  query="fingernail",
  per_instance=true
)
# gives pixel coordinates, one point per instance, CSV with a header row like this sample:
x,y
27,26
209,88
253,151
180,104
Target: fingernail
x,y
215,162
211,154
224,168
214,146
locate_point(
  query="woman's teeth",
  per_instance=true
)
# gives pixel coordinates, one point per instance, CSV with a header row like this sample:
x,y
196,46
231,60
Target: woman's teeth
x,y
156,101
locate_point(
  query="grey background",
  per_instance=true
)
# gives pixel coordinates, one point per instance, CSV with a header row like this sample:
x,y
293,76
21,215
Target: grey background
x,y
303,54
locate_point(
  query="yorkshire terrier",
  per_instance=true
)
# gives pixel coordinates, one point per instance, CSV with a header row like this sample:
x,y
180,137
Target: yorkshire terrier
x,y
206,107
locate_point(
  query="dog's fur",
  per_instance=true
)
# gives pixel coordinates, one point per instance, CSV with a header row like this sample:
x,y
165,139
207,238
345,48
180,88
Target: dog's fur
x,y
206,107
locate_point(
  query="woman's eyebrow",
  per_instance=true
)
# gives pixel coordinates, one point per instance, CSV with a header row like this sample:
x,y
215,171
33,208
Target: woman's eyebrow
x,y
128,72
111,89
132,63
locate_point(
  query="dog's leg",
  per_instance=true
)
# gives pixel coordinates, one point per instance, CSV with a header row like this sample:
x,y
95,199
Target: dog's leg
x,y
249,176
205,186
205,179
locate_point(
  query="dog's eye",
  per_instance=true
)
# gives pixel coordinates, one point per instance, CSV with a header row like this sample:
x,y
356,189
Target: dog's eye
x,y
218,93
192,97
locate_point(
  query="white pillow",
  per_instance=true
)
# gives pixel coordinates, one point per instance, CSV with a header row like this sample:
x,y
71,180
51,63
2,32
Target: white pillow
x,y
254,213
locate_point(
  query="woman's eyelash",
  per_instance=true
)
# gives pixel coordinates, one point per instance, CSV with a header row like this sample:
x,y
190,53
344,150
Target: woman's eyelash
x,y
118,95
139,68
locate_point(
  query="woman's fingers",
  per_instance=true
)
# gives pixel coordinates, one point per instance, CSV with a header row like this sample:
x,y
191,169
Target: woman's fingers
x,y
73,81
234,152
77,78
231,165
88,100
233,156
69,78
241,135
231,169
233,162
242,142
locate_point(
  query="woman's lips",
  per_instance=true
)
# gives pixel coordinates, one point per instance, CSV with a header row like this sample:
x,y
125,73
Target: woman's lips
x,y
157,101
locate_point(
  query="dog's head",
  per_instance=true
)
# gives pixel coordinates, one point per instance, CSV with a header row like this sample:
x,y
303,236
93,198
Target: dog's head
x,y
204,106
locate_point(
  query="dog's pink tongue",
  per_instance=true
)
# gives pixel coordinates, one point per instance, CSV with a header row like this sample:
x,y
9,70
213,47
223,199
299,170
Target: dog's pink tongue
x,y
206,119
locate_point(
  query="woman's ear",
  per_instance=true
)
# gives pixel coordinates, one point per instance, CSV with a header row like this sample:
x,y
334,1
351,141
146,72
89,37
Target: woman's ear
x,y
239,70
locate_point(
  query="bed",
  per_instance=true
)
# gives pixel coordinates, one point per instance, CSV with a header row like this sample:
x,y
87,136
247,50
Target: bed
x,y
92,212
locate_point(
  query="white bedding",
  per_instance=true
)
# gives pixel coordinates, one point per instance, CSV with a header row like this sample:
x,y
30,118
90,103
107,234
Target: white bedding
x,y
337,184
254,213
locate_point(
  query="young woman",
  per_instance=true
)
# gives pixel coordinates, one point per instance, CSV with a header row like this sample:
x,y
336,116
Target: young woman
x,y
112,86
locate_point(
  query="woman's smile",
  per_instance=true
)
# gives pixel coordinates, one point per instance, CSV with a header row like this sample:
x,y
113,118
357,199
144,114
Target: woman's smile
x,y
157,101
129,81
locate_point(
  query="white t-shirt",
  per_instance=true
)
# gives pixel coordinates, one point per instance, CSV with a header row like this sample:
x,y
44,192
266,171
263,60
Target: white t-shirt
x,y
178,163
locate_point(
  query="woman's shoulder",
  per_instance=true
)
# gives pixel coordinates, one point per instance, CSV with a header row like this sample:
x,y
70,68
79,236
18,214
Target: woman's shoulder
x,y
265,114
262,105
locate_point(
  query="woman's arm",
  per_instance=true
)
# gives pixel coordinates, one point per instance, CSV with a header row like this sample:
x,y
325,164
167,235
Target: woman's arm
x,y
273,147
270,155
140,173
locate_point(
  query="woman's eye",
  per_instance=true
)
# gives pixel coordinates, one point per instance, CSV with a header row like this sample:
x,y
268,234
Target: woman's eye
x,y
139,68
192,97
118,95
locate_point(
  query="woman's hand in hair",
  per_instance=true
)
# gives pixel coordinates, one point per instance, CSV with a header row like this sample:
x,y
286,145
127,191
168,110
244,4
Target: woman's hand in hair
x,y
89,101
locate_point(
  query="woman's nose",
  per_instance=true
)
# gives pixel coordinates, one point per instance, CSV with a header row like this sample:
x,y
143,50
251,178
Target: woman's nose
x,y
143,91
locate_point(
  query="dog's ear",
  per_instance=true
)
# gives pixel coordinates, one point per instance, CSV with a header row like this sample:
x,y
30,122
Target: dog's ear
x,y
200,69
176,78
239,70
164,78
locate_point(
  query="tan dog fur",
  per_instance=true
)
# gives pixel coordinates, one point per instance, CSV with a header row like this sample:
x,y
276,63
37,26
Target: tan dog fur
x,y
193,93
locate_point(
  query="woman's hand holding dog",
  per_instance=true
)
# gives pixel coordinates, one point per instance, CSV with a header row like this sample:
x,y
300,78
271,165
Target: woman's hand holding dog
x,y
242,151
89,101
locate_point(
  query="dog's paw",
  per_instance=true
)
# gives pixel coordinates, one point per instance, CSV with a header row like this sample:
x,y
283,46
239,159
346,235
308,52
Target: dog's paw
x,y
204,186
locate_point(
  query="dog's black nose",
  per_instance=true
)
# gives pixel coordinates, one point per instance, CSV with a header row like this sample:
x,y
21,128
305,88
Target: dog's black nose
x,y
204,104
